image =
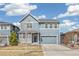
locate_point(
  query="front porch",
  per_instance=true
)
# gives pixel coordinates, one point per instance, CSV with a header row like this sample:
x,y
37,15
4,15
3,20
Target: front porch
x,y
33,38
30,36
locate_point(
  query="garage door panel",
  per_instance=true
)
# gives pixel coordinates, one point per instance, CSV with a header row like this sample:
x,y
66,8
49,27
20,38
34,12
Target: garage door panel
x,y
49,40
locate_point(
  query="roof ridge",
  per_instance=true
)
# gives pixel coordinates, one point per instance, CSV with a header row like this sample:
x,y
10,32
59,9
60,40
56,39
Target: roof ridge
x,y
26,15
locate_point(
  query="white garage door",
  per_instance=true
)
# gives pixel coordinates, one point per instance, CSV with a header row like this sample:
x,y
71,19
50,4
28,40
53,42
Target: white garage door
x,y
49,40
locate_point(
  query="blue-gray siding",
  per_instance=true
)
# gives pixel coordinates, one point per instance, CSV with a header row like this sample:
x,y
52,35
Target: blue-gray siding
x,y
4,32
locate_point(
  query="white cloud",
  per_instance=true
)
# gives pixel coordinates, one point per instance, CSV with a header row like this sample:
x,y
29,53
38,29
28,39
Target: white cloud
x,y
71,4
41,17
74,27
18,9
72,10
68,22
54,18
16,23
67,25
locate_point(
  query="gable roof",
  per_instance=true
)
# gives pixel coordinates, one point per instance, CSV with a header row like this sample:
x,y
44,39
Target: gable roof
x,y
7,23
39,20
27,16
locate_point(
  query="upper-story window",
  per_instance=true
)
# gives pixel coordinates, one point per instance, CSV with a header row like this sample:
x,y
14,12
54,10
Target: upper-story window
x,y
29,25
23,35
55,26
51,26
42,25
3,27
48,25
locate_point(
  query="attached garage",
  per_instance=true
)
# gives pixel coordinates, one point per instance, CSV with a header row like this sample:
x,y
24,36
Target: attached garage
x,y
49,40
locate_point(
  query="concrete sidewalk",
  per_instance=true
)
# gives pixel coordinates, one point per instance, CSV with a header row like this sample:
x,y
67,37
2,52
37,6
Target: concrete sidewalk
x,y
58,50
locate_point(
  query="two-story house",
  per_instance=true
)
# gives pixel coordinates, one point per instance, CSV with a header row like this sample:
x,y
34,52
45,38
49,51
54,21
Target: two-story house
x,y
5,30
39,31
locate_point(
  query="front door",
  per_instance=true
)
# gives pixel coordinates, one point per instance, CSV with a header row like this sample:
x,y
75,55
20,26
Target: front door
x,y
34,38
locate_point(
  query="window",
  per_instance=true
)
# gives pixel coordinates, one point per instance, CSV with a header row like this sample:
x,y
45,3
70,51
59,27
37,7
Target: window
x,y
5,27
20,35
1,26
55,26
42,25
29,25
50,25
46,26
23,35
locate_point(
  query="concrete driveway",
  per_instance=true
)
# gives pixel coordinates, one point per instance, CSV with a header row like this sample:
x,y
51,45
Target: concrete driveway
x,y
58,50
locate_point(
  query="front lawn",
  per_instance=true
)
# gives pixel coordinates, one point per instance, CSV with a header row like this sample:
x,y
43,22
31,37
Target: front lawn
x,y
12,48
21,53
34,47
27,47
27,50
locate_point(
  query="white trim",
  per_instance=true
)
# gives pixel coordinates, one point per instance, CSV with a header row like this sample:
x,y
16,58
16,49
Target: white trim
x,y
29,22
49,28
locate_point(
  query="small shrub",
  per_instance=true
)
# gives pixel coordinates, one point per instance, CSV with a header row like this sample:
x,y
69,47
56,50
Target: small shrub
x,y
13,39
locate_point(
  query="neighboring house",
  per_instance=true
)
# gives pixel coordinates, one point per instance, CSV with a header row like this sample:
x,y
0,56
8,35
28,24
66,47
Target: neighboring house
x,y
5,30
39,31
70,37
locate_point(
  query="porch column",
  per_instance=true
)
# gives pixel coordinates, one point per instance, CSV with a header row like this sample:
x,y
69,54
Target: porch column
x,y
39,38
7,37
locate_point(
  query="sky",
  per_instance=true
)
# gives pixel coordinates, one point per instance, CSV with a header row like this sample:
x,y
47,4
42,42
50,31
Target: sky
x,y
66,13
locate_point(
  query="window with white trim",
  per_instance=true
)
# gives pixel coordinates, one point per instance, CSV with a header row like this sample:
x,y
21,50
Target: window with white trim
x,y
42,25
29,25
55,26
3,26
